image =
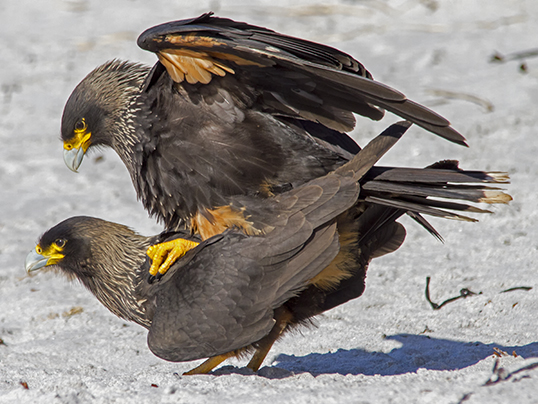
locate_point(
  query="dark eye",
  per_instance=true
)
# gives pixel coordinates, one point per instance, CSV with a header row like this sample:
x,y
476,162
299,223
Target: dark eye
x,y
60,242
80,125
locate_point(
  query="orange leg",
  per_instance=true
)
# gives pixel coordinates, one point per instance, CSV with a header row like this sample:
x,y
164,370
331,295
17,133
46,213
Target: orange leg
x,y
210,364
283,317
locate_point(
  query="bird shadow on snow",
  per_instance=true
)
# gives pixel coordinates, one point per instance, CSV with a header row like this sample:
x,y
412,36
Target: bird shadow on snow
x,y
416,352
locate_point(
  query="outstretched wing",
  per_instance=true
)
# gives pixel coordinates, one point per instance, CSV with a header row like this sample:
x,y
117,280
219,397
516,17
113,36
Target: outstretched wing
x,y
292,77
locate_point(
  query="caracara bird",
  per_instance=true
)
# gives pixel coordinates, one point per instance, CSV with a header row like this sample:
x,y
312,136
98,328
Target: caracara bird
x,y
235,292
229,109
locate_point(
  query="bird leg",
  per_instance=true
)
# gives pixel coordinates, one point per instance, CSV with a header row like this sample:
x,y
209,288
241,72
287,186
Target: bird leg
x,y
209,364
282,317
163,255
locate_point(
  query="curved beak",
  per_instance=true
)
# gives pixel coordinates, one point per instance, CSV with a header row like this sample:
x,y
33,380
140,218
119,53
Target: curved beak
x,y
35,261
73,158
75,148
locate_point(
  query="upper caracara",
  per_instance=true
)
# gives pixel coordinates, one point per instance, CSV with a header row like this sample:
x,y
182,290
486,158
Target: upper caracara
x,y
229,109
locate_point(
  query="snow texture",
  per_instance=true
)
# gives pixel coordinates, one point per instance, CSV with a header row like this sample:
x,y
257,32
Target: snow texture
x,y
388,346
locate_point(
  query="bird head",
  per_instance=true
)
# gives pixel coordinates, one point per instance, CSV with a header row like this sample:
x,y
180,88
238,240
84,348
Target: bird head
x,y
101,109
105,257
64,246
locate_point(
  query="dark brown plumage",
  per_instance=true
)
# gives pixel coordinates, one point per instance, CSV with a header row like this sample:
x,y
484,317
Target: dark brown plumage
x,y
223,295
234,291
229,110
234,117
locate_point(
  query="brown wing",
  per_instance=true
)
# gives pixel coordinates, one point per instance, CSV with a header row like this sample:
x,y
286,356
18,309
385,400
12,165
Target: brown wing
x,y
221,296
294,77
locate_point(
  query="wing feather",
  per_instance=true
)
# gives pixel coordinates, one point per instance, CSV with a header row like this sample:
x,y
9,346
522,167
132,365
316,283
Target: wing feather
x,y
294,77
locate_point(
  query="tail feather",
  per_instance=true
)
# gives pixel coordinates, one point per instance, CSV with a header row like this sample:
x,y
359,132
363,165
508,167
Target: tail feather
x,y
435,175
439,190
464,192
435,203
418,208
417,217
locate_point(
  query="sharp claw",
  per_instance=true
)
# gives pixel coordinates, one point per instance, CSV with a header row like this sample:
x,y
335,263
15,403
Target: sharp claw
x,y
154,278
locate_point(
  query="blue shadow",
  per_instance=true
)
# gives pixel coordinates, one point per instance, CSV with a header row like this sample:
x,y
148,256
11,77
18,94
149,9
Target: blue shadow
x,y
416,352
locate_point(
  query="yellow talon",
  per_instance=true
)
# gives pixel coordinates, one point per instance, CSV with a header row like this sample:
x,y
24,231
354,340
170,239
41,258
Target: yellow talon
x,y
163,255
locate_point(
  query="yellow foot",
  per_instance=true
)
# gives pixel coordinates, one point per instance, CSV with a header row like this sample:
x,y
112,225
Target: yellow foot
x,y
163,255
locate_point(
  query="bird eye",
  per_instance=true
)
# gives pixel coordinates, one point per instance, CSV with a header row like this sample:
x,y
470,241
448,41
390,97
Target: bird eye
x,y
81,125
38,249
60,242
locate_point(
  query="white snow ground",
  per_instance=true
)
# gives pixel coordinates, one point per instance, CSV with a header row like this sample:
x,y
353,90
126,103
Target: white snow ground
x,y
388,346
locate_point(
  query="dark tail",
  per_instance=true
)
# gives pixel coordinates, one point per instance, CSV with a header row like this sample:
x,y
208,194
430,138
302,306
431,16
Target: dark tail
x,y
442,190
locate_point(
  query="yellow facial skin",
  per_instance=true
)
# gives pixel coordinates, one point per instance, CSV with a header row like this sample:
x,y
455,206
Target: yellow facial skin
x,y
76,147
40,257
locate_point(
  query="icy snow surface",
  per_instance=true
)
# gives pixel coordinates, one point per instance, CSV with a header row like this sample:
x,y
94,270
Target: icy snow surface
x,y
388,346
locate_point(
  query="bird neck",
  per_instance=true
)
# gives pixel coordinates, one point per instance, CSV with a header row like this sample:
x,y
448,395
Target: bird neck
x,y
128,133
121,96
116,280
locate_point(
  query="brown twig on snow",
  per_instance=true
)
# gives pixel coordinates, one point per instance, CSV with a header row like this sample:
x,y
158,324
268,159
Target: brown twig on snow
x,y
518,56
500,374
465,397
499,353
526,54
464,293
525,288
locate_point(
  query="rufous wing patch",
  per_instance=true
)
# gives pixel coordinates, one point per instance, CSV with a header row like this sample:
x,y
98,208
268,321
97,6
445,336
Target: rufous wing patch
x,y
192,66
216,221
212,48
196,59
193,40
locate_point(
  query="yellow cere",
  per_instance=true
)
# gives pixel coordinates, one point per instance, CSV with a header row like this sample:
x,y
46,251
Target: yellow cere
x,y
53,252
81,137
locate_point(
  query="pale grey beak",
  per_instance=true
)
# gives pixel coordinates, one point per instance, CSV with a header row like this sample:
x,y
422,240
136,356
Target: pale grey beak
x,y
35,261
73,158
